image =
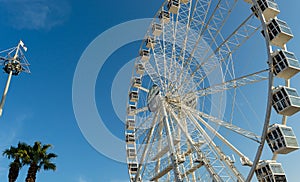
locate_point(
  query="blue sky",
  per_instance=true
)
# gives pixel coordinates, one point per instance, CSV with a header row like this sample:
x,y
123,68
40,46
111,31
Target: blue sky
x,y
39,105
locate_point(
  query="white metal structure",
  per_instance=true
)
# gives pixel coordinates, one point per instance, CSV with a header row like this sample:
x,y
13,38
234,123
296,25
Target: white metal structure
x,y
184,117
14,62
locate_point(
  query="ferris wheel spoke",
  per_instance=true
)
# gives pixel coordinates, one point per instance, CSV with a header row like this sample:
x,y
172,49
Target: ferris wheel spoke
x,y
199,14
168,39
158,60
177,34
162,54
152,74
159,146
224,124
140,110
195,26
223,9
172,150
143,89
238,37
244,158
225,49
210,168
235,83
143,126
148,142
173,64
222,155
215,22
181,29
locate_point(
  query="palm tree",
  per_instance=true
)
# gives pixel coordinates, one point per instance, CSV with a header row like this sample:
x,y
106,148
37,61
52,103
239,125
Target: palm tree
x,y
20,157
39,159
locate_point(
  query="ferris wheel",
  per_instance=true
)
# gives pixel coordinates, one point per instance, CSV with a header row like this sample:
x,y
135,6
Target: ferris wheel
x,y
198,79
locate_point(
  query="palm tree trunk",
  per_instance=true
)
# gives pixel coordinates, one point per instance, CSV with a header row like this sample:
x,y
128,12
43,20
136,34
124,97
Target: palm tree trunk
x,y
31,175
14,169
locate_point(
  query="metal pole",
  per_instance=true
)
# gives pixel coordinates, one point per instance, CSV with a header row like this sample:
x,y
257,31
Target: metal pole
x,y
5,93
8,82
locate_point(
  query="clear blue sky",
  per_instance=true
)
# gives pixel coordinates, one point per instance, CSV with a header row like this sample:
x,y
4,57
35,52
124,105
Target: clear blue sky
x,y
39,105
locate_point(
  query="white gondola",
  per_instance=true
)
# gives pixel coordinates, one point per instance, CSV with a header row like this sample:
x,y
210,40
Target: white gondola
x,y
156,29
133,167
131,153
285,64
131,110
130,124
269,9
139,69
130,138
279,32
133,96
137,82
150,42
173,6
145,55
270,171
281,139
164,16
286,100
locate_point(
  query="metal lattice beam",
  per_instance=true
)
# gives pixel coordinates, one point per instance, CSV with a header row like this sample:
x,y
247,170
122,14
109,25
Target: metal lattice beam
x,y
225,124
238,82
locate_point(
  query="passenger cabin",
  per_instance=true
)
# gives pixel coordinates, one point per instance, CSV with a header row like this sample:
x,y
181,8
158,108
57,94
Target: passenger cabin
x,y
150,42
133,96
130,138
270,171
281,139
285,64
173,6
164,16
269,9
131,153
136,82
145,55
279,32
131,110
139,69
286,100
156,29
130,124
133,167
